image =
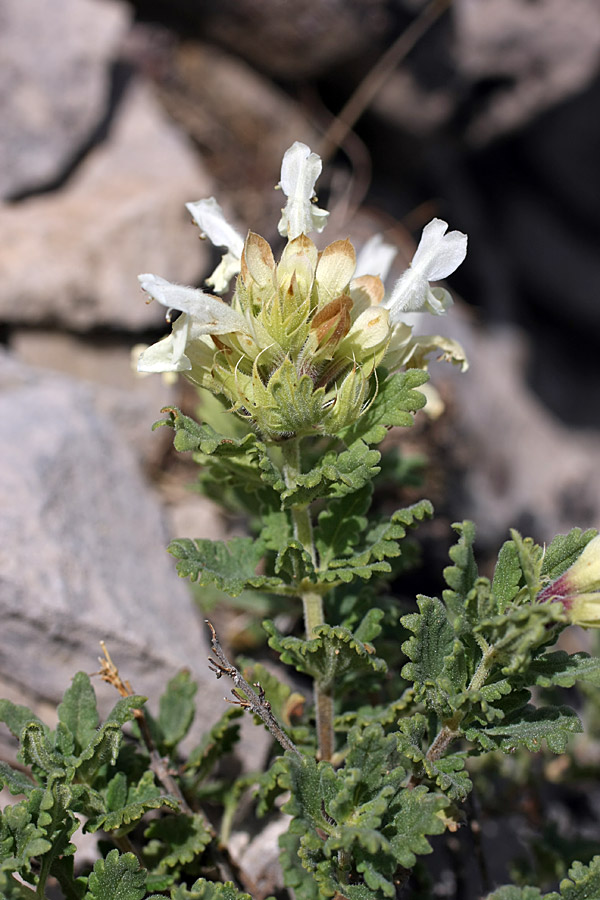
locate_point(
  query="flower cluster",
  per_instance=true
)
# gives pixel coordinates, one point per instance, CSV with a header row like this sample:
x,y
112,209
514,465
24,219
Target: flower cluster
x,y
296,349
578,589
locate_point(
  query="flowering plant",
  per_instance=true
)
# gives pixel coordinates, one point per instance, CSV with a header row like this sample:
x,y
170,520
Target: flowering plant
x,y
314,363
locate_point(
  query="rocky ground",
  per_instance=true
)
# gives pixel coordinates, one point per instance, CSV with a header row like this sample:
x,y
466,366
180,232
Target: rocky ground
x,y
113,115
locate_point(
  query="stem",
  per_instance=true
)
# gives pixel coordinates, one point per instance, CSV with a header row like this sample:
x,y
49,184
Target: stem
x,y
312,602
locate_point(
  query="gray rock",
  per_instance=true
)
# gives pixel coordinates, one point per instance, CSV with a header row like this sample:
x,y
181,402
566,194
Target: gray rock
x,y
71,257
545,52
82,553
55,84
521,467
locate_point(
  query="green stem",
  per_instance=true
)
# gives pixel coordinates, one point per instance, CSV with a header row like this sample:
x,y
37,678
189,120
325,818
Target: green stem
x,y
312,601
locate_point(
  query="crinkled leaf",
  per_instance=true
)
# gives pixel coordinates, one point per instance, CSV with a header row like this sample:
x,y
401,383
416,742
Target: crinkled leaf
x,y
461,576
341,524
519,632
118,877
210,890
380,543
564,550
563,669
332,653
215,743
21,838
529,727
183,838
141,797
530,557
448,772
177,709
231,566
415,819
336,475
16,717
395,403
78,711
583,882
507,576
511,892
15,781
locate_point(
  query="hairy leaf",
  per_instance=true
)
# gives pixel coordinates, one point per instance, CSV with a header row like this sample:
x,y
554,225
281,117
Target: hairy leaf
x,y
396,400
507,576
336,475
140,798
231,566
177,709
530,727
215,743
564,550
182,839
78,711
118,877
331,654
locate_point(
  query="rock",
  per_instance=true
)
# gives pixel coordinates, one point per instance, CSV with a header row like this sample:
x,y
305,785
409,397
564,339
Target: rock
x,y
71,257
55,84
243,120
132,402
82,554
520,466
537,53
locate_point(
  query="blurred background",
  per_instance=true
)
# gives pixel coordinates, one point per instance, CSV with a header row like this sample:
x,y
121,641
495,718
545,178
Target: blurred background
x,y
114,114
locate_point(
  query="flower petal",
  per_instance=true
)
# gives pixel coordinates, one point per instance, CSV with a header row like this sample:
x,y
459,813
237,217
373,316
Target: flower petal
x,y
375,258
208,215
168,354
299,171
437,256
211,315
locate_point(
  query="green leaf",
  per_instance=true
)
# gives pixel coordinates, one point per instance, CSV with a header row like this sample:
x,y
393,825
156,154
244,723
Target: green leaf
x,y
433,641
340,525
396,400
583,882
16,782
415,820
336,475
529,727
519,632
332,653
183,838
448,773
563,669
78,711
507,576
16,717
530,560
141,797
460,577
21,838
177,709
380,543
118,877
209,890
216,743
511,892
231,566
564,550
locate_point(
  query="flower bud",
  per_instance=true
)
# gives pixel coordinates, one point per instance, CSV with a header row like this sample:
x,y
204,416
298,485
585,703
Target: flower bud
x,y
578,589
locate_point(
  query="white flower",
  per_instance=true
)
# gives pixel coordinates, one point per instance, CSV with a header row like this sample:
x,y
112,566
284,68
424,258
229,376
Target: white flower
x,y
208,215
375,258
210,314
299,171
436,257
168,355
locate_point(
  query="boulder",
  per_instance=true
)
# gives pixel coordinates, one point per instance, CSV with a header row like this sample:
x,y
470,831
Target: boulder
x,y
71,257
55,88
82,555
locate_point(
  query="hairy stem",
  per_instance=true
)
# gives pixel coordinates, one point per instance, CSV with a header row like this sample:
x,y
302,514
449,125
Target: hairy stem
x,y
312,601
